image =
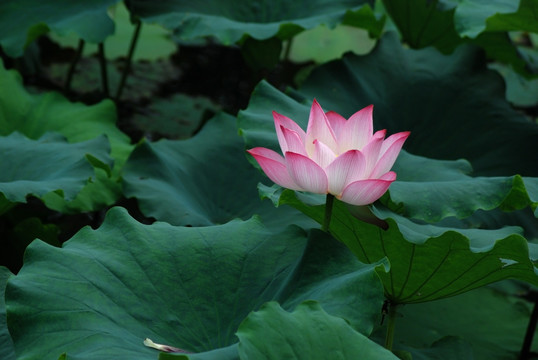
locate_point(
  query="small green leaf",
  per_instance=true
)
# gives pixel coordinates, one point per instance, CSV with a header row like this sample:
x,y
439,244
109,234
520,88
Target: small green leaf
x,y
50,164
307,333
475,16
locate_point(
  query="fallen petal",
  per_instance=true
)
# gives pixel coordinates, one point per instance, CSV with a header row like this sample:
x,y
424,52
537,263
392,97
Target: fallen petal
x,y
165,348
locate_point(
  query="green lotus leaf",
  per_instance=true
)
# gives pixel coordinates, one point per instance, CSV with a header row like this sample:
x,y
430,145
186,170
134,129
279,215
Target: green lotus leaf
x,y
7,351
49,164
427,262
468,316
520,91
229,21
433,189
108,289
23,21
426,189
429,24
308,332
447,24
154,41
472,17
205,180
35,114
446,102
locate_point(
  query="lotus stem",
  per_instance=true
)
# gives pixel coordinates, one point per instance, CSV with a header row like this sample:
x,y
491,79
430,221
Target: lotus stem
x,y
129,59
104,76
72,67
391,324
328,212
529,335
287,49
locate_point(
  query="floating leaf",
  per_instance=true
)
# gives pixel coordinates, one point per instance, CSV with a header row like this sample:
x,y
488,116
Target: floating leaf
x,y
176,117
308,332
332,43
107,290
229,21
23,21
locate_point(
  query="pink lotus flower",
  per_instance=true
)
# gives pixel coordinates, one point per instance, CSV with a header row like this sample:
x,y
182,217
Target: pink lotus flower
x,y
335,156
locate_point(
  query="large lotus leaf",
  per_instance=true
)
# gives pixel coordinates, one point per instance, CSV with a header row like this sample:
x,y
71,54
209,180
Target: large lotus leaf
x,y
108,289
428,189
201,181
453,105
24,20
427,262
49,164
230,20
7,352
307,333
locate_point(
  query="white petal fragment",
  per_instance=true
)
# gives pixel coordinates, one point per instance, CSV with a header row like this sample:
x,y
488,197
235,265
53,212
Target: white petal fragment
x,y
166,348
